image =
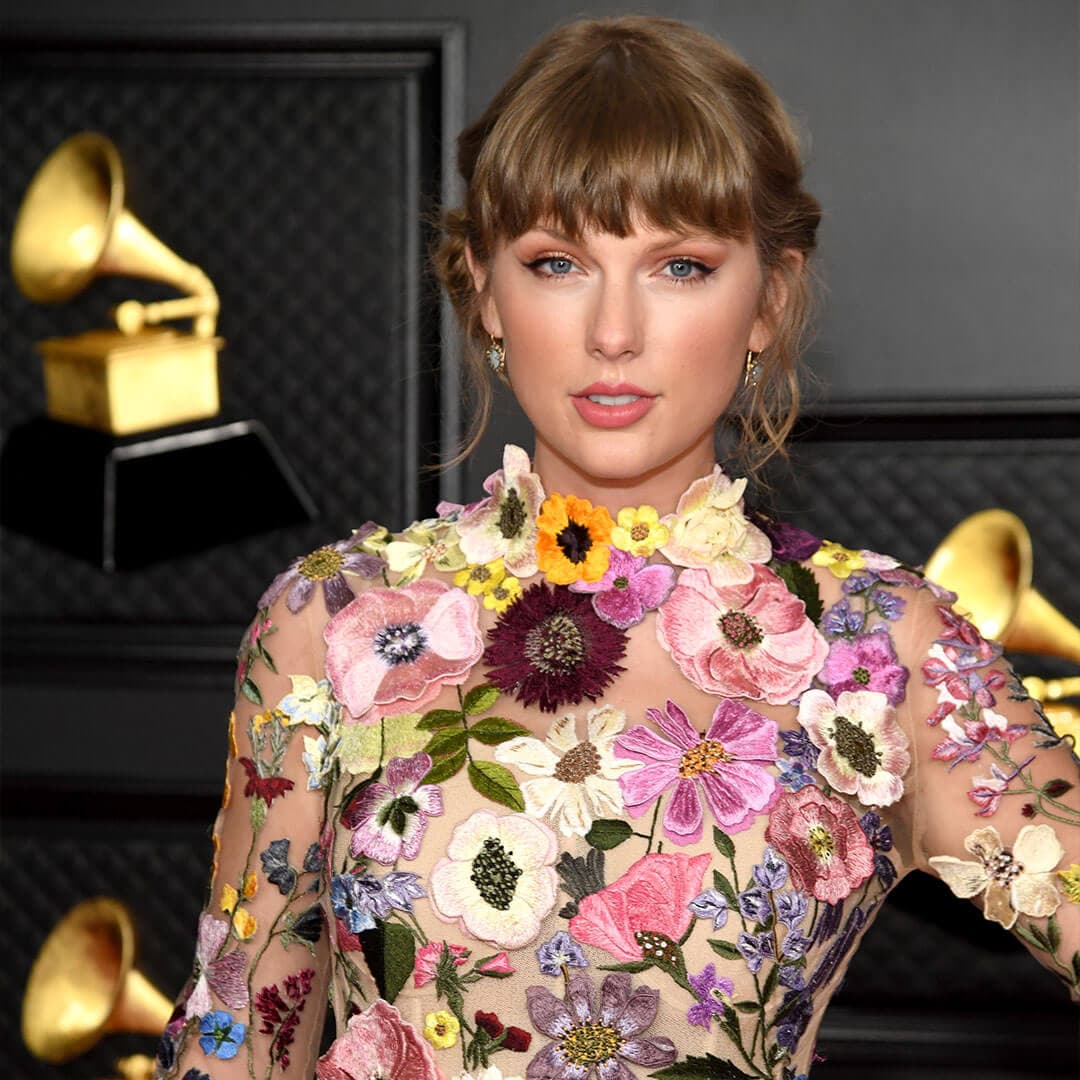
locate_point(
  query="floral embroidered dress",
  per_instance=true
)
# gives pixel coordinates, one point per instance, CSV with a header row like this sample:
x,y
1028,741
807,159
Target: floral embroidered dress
x,y
529,791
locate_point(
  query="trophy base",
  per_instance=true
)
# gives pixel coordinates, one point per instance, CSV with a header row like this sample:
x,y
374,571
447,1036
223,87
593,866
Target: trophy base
x,y
127,383
124,503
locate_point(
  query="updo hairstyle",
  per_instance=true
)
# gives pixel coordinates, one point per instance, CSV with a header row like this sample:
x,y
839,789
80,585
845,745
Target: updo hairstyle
x,y
610,122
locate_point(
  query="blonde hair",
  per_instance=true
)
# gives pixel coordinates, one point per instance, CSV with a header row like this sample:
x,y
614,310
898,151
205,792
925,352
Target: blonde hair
x,y
608,122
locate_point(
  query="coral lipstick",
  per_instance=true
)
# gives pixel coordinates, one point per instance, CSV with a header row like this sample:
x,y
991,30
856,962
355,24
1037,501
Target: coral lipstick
x,y
612,406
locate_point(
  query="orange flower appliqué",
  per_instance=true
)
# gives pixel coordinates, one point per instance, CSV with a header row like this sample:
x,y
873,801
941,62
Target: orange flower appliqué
x,y
572,541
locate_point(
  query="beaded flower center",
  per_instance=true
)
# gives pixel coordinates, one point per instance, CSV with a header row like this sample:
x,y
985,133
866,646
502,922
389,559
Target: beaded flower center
x,y
856,746
574,541
621,583
397,812
512,514
741,629
322,564
495,874
703,758
479,574
639,532
590,1044
1004,869
861,675
577,763
399,643
556,646
821,842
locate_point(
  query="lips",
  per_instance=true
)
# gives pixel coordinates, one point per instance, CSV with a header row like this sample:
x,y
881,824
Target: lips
x,y
612,405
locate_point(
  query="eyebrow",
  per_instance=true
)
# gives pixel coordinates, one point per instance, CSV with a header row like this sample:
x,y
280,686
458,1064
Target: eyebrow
x,y
673,240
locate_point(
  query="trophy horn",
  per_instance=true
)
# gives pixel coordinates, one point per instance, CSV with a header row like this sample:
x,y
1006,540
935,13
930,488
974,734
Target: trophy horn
x,y
84,985
72,227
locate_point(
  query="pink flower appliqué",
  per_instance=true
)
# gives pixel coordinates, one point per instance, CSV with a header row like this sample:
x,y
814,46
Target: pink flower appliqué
x,y
378,1042
224,975
826,850
727,765
389,817
866,662
392,650
752,640
427,960
652,895
628,589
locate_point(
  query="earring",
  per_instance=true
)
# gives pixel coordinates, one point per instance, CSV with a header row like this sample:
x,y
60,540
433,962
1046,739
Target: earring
x,y
495,355
752,371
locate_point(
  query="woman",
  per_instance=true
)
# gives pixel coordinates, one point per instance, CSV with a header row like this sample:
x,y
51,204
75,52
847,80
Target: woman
x,y
601,773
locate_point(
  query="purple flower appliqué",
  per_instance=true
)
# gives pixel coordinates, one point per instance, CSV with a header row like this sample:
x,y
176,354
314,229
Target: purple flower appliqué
x,y
842,620
797,745
890,605
772,872
587,1040
867,662
789,542
754,904
793,775
389,818
628,589
791,908
710,904
558,952
713,993
726,765
755,949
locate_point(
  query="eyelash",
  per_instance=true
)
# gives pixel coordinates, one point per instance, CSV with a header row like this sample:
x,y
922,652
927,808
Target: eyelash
x,y
702,270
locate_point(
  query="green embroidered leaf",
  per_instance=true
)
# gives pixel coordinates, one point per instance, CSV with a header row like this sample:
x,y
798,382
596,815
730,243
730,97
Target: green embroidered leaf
x,y
724,948
399,955
496,782
267,659
1033,936
480,698
438,718
258,813
446,743
747,1006
493,730
722,885
803,584
1053,933
770,983
709,1067
633,966
444,768
607,833
723,843
251,690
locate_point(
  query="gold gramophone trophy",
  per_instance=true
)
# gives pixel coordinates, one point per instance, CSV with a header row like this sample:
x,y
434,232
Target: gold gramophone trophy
x,y
73,227
131,436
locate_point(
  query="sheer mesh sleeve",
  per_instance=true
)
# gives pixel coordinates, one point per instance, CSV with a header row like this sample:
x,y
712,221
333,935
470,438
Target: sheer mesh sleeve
x,y
997,793
255,1004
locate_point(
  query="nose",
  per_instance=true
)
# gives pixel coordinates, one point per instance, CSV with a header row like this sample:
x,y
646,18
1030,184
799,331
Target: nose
x,y
615,330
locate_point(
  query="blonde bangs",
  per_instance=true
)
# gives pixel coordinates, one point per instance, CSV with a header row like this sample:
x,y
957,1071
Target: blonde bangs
x,y
609,146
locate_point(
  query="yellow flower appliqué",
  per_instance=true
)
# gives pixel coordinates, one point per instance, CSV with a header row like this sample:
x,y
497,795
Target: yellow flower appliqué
x,y
441,1029
502,595
639,531
839,560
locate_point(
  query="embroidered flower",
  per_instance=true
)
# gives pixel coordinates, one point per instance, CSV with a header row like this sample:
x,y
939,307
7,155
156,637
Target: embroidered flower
x,y
266,787
866,662
319,758
281,1014
879,837
327,566
362,747
222,974
639,531
502,595
864,751
504,525
243,922
478,578
960,676
727,765
496,966
577,777
513,1038
842,620
394,648
426,962
789,542
496,880
431,542
826,851
572,539
710,904
653,895
751,640
558,952
441,1029
309,702
714,993
587,1040
710,530
222,1036
551,649
1016,882
839,560
628,589
1069,881
378,1042
389,817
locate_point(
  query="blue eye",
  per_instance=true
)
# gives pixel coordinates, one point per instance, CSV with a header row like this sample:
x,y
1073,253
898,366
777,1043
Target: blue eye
x,y
560,266
681,268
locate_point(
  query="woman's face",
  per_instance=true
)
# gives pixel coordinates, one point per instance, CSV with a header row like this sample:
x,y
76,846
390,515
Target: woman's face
x,y
624,351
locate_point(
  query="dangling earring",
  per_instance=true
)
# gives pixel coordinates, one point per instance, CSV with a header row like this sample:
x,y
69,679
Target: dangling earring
x,y
752,371
495,355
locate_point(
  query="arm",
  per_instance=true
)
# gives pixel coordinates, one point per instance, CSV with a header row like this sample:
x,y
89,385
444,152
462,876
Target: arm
x,y
255,1004
997,808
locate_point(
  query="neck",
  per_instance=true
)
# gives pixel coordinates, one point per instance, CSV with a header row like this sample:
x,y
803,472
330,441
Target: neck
x,y
659,487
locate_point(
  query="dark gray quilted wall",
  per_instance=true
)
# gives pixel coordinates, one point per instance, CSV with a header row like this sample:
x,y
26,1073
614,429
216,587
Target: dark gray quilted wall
x,y
296,181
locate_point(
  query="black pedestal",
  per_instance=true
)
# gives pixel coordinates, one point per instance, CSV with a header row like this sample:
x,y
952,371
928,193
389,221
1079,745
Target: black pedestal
x,y
126,502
